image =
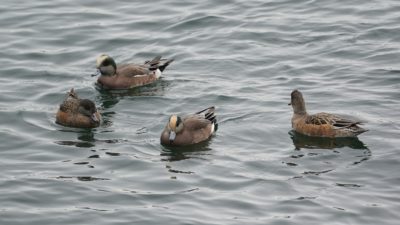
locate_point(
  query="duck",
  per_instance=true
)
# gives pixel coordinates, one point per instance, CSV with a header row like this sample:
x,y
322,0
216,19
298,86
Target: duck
x,y
126,76
321,124
76,112
190,129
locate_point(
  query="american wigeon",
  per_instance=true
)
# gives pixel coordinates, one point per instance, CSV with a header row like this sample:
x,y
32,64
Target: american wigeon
x,y
75,112
190,129
125,76
321,124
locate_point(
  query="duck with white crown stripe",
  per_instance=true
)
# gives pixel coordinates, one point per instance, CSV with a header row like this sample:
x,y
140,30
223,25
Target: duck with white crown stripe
x,y
190,129
125,76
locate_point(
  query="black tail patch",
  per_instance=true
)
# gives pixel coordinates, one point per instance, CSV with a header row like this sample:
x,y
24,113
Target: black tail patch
x,y
156,63
210,115
163,66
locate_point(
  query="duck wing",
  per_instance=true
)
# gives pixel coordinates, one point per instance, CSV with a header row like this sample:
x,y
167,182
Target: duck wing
x,y
331,119
158,63
201,119
131,70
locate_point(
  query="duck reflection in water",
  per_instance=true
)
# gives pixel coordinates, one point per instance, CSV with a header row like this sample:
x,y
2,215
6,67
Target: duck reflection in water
x,y
177,153
303,141
154,89
85,139
173,154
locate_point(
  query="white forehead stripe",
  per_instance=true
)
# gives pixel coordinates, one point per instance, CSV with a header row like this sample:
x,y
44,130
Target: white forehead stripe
x,y
101,59
172,122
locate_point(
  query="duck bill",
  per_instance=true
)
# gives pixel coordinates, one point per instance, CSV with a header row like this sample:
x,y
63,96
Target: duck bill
x,y
172,136
94,117
98,72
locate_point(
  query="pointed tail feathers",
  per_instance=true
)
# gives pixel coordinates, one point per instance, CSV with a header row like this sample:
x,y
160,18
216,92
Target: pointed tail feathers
x,y
358,130
163,66
209,114
72,93
156,63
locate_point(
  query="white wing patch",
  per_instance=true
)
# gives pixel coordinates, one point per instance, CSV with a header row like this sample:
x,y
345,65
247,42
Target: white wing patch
x,y
142,75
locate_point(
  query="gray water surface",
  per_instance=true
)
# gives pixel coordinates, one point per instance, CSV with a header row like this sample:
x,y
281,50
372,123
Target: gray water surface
x,y
244,57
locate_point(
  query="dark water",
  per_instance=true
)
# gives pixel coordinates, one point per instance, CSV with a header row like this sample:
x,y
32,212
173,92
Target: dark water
x,y
244,57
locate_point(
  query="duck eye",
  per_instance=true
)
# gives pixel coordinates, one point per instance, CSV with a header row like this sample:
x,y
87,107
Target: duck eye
x,y
106,63
87,105
178,121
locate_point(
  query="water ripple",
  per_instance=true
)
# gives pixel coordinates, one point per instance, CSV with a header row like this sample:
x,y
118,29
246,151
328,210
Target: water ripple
x,y
244,57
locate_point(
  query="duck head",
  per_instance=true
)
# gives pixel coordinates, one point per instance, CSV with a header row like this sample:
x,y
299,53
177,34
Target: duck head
x,y
106,65
297,103
88,108
175,126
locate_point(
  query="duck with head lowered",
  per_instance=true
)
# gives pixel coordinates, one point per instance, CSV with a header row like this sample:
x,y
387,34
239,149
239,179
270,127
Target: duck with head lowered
x,y
76,112
125,76
190,129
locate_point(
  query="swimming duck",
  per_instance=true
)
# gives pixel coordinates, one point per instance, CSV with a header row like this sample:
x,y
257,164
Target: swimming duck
x,y
190,129
75,112
321,124
125,76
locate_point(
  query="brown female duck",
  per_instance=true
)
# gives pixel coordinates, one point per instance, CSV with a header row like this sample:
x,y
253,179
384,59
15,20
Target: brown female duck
x,y
75,112
321,124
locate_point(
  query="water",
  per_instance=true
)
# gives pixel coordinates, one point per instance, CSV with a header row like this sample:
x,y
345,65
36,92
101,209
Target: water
x,y
244,57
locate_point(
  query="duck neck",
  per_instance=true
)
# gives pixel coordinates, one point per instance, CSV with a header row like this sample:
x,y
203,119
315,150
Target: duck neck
x,y
300,109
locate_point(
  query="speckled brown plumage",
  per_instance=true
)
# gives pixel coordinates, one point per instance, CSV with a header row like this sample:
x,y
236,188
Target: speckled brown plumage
x,y
75,112
321,124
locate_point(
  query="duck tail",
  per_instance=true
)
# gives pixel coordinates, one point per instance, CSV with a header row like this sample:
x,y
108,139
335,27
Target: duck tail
x,y
166,63
209,114
156,63
358,130
72,93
